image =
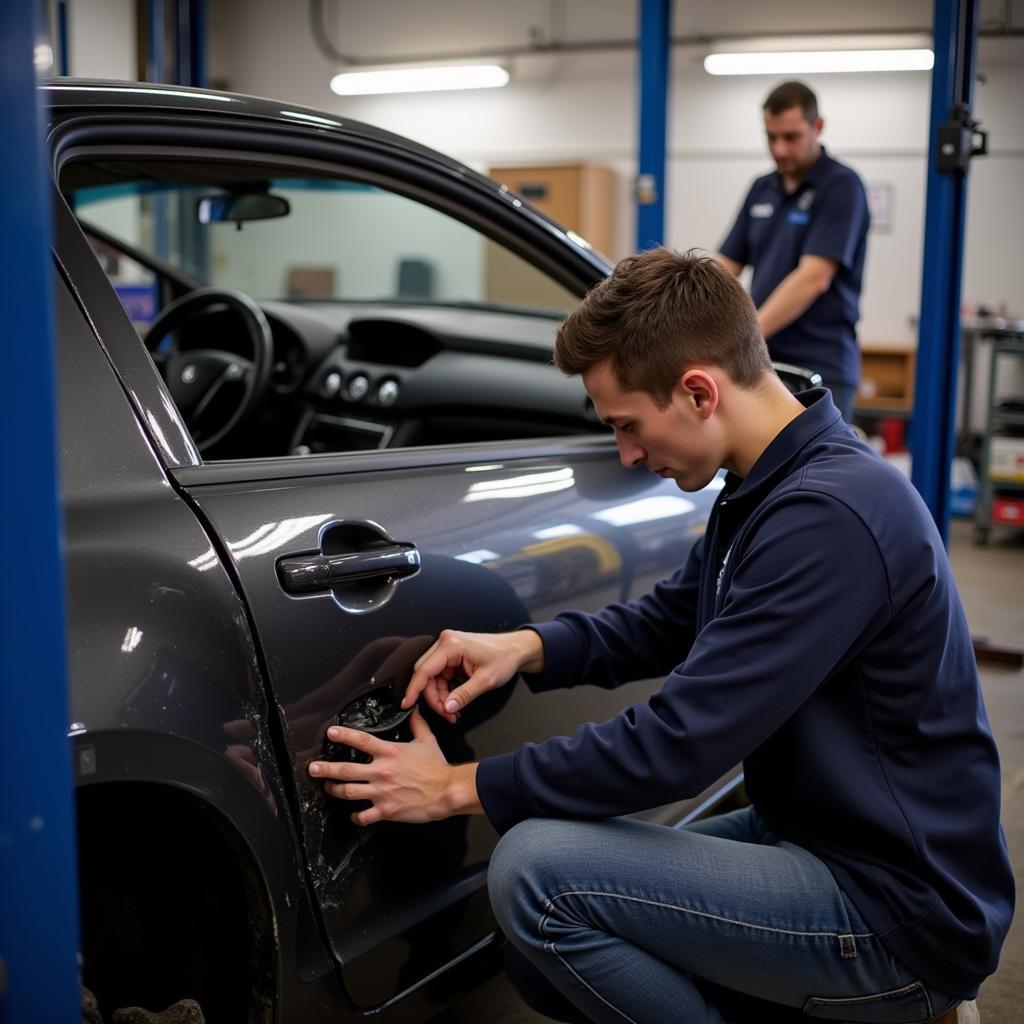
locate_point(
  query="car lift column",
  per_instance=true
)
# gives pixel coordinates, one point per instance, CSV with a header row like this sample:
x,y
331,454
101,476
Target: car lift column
x,y
950,147
186,20
38,883
655,52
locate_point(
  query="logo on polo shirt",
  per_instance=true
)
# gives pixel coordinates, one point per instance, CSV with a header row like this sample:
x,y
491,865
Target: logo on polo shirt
x,y
762,210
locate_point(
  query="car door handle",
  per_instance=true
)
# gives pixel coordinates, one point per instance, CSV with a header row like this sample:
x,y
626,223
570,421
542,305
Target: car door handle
x,y
310,573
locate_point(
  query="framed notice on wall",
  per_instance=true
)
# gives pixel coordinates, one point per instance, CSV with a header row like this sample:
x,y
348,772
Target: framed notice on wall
x,y
880,207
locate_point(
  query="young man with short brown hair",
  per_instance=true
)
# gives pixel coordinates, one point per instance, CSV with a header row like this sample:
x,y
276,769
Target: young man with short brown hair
x,y
815,634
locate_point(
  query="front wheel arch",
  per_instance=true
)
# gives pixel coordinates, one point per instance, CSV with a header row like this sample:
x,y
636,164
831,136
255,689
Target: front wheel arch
x,y
173,906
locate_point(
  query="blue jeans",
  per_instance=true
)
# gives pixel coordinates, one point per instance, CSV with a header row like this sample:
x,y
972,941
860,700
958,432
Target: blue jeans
x,y
624,921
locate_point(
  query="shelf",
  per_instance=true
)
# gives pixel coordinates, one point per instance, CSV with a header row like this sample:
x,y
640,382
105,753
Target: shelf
x,y
881,411
998,501
1012,346
887,381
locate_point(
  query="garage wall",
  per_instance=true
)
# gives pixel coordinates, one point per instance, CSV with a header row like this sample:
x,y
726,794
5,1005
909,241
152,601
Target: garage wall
x,y
102,39
582,107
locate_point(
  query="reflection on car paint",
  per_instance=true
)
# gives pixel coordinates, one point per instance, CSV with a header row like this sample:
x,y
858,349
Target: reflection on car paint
x,y
274,535
132,639
207,560
521,486
645,510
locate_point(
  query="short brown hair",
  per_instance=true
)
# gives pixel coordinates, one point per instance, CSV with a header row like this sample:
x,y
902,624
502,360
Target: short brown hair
x,y
657,314
789,95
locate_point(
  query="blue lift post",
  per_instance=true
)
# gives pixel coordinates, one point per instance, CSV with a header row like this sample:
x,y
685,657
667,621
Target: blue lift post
x,y
38,881
655,54
188,67
63,53
190,43
938,347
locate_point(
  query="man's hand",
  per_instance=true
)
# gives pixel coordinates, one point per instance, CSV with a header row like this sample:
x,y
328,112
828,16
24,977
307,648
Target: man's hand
x,y
409,782
485,660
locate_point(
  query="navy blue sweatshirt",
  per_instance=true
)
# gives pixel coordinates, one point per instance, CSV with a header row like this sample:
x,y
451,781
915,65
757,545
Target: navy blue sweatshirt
x,y
815,633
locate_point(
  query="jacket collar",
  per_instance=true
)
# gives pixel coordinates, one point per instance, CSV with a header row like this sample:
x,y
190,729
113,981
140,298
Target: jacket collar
x,y
820,416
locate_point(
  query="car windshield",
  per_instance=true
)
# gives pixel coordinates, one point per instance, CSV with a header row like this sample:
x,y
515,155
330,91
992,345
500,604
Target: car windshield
x,y
314,239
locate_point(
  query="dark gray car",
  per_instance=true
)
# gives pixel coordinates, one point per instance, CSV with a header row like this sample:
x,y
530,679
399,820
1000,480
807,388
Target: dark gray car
x,y
308,420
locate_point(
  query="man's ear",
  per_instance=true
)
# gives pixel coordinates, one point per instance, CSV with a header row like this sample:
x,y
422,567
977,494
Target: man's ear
x,y
700,389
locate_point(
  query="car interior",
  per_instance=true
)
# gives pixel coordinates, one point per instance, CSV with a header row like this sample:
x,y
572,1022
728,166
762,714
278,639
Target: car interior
x,y
291,314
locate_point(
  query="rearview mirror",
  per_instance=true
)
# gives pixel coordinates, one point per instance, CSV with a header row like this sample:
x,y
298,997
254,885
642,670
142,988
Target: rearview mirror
x,y
239,207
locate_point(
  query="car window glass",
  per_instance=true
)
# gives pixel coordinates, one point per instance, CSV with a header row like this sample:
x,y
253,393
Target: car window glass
x,y
393,324
339,240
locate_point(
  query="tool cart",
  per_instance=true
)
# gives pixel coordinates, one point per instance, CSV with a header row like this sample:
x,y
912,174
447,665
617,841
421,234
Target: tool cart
x,y
1001,472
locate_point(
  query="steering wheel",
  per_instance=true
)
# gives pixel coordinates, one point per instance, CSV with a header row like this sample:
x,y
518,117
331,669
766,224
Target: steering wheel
x,y
195,377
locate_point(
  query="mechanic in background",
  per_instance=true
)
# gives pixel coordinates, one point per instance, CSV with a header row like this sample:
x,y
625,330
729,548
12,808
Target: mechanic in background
x,y
804,229
814,633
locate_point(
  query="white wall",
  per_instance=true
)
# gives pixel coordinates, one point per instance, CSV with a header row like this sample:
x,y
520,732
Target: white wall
x,y
102,39
583,107
362,236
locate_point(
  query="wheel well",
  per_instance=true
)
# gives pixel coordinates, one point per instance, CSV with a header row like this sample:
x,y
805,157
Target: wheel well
x,y
172,906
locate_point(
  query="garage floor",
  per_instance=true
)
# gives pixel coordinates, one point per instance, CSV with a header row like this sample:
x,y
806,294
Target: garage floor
x,y
991,582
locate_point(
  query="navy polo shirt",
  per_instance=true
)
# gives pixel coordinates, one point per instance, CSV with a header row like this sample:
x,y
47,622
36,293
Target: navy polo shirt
x,y
827,216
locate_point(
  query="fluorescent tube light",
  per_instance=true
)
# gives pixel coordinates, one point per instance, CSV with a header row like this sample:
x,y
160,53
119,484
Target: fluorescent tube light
x,y
811,62
423,79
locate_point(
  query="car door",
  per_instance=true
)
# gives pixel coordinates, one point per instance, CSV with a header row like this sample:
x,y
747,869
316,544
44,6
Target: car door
x,y
490,539
350,562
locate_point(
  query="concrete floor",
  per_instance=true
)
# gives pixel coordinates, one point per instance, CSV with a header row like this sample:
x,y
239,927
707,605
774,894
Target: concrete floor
x,y
991,581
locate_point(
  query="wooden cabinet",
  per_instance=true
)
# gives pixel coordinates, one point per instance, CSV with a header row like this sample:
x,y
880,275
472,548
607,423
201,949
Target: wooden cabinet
x,y
886,379
578,196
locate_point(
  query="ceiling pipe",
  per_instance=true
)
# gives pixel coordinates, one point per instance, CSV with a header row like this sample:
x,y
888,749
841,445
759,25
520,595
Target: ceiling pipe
x,y
318,26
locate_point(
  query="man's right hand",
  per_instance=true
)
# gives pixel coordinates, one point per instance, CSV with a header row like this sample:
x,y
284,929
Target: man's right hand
x,y
485,660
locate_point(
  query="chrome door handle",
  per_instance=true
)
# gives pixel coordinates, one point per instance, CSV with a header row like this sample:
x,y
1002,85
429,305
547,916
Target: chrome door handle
x,y
310,573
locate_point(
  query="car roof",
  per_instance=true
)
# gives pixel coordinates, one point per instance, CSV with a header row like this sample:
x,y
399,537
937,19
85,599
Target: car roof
x,y
66,96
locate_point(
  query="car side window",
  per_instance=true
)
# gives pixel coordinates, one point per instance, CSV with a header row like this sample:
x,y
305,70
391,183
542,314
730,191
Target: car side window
x,y
436,333
331,240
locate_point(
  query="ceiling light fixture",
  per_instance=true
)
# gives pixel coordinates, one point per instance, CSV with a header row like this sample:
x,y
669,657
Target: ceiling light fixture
x,y
816,62
420,79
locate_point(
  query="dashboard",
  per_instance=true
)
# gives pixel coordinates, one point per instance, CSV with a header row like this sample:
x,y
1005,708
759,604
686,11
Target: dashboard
x,y
367,375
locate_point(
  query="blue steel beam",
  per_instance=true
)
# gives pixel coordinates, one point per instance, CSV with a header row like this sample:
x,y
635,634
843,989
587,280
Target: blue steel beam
x,y
190,43
155,72
63,54
38,881
197,42
156,45
938,346
182,55
655,55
